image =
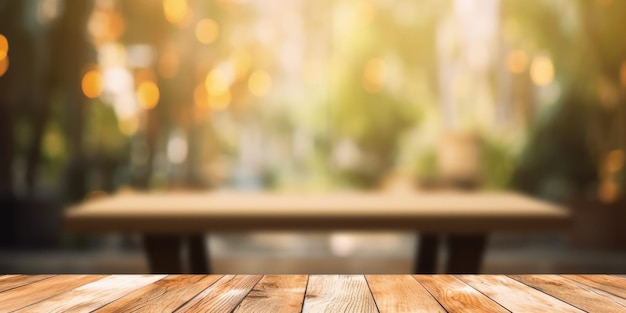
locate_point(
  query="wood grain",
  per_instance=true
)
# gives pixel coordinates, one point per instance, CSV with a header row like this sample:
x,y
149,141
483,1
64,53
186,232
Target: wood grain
x,y
456,296
401,293
92,296
276,294
222,296
316,293
32,293
515,296
610,284
338,293
574,293
428,211
164,295
8,282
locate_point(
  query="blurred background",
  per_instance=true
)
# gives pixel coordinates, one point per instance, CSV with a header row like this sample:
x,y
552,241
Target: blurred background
x,y
103,96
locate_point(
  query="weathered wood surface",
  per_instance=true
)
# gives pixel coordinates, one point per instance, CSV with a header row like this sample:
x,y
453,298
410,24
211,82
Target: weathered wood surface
x,y
427,211
312,293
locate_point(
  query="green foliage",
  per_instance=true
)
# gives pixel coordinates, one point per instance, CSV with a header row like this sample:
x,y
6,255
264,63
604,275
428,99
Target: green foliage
x,y
102,136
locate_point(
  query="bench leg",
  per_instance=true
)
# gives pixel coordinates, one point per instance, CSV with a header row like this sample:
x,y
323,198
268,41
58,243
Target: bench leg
x,y
426,258
465,253
163,253
198,255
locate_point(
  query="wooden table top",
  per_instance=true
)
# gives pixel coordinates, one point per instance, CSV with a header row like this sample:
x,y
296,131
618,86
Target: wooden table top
x,y
313,293
223,211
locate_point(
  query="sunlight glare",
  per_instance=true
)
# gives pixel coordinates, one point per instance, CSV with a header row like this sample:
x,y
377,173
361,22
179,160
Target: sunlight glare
x,y
4,47
4,66
148,94
542,71
207,31
260,83
176,11
374,75
92,84
517,61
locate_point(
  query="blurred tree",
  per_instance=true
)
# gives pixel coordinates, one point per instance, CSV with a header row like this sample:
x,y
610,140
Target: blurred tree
x,y
571,142
375,76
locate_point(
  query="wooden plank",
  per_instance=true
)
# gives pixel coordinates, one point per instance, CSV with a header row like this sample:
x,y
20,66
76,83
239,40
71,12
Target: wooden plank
x,y
401,293
608,283
577,294
164,295
515,296
427,211
94,295
43,289
276,294
456,296
338,293
8,282
222,296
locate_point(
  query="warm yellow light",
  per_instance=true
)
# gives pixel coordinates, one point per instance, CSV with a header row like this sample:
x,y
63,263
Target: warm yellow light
x,y
128,126
615,160
259,83
201,97
219,101
168,63
374,75
220,78
92,84
241,60
53,144
622,74
4,65
207,31
176,11
366,11
4,47
542,71
148,95
608,191
517,61
144,74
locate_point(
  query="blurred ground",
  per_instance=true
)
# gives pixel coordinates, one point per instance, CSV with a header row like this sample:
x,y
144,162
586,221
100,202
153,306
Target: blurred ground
x,y
323,253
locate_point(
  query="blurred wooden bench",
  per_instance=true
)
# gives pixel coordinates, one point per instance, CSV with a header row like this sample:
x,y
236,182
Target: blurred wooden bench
x,y
466,218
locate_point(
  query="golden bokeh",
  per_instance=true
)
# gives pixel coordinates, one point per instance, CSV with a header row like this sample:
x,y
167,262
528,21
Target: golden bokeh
x,y
220,101
144,74
53,143
168,63
218,80
260,83
374,75
517,61
241,60
92,84
201,97
4,65
608,191
4,47
148,94
366,11
542,71
615,160
207,31
128,126
176,11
